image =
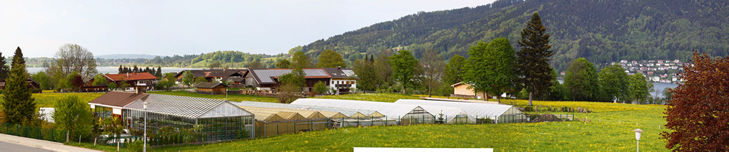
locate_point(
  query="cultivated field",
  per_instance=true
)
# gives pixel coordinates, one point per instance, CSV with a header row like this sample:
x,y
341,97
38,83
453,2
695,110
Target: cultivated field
x,y
46,99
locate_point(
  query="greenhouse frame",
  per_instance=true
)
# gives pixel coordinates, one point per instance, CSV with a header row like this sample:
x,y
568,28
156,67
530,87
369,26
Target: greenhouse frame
x,y
214,120
404,113
499,113
339,117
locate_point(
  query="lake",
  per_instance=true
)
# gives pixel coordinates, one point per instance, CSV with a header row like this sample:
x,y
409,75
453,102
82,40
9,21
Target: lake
x,y
116,69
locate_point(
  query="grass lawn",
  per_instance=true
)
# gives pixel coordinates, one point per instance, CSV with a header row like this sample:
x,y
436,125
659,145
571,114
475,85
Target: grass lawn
x,y
230,97
47,99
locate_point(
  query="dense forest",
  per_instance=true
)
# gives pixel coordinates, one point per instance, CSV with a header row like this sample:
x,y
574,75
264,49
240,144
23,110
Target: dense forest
x,y
599,30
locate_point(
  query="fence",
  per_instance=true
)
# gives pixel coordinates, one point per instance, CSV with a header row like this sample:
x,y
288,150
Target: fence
x,y
50,134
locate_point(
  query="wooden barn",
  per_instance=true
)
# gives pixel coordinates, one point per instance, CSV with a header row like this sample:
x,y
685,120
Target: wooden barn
x,y
211,88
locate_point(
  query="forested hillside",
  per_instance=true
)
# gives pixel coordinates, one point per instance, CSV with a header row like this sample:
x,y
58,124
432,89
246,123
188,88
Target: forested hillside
x,y
599,30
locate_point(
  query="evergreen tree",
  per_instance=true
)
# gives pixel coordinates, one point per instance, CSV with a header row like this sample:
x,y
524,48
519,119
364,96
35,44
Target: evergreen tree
x,y
19,105
158,72
330,59
532,61
121,69
4,69
136,69
403,66
581,80
365,71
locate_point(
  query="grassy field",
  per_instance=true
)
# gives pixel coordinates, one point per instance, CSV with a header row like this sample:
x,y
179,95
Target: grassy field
x,y
47,99
609,128
230,97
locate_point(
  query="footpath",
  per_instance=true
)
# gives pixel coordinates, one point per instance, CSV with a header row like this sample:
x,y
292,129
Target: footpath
x,y
42,144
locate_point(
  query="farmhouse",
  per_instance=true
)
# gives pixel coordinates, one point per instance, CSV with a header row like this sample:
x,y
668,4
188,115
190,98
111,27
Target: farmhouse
x,y
134,79
211,88
342,80
35,87
234,77
464,90
267,79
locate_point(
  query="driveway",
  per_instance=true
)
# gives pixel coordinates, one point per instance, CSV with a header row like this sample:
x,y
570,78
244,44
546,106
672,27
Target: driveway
x,y
15,147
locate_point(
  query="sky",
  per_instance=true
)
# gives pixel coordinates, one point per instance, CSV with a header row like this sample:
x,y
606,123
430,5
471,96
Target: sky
x,y
168,27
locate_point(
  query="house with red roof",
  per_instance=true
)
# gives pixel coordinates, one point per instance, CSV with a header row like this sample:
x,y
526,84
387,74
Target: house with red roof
x,y
134,79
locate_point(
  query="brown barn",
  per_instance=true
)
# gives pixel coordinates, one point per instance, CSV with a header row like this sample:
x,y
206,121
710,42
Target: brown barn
x,y
34,86
211,88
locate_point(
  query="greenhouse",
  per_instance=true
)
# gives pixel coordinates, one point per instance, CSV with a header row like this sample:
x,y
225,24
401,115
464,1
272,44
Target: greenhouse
x,y
339,117
499,113
214,120
405,113
278,121
330,112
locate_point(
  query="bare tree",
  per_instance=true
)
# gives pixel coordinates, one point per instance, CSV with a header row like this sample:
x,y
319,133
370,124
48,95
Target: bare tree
x,y
432,70
74,58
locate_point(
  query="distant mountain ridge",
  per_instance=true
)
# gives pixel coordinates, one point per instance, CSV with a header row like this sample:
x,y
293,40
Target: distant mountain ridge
x,y
126,56
599,30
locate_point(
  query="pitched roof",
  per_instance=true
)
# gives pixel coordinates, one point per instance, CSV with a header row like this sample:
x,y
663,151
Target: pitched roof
x,y
130,76
222,73
337,72
267,76
209,85
190,107
117,99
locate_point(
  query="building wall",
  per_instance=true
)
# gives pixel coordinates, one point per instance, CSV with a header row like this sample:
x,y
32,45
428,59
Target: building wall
x,y
463,89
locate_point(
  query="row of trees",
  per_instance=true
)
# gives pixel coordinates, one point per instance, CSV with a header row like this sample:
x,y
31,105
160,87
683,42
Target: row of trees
x,y
582,82
135,69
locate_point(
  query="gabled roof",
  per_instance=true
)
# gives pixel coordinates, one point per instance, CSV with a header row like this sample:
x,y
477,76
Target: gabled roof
x,y
217,73
130,76
117,99
268,76
190,107
337,72
209,85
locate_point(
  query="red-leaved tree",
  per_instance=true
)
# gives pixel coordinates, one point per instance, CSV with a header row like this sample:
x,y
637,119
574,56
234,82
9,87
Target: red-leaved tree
x,y
698,112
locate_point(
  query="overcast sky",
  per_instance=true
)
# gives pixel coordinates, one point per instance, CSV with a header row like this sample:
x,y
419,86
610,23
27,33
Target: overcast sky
x,y
167,27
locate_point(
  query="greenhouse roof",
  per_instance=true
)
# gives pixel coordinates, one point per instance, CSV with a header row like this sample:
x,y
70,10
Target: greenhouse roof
x,y
391,110
476,110
323,109
189,107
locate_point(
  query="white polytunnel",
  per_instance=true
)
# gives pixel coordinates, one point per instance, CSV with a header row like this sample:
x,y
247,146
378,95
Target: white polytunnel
x,y
406,113
499,113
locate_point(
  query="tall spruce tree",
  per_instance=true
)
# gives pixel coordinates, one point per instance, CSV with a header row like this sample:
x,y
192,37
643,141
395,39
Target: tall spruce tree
x,y
19,106
532,61
4,69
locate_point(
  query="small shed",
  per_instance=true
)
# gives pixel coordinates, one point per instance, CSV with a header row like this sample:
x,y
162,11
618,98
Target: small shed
x,y
211,88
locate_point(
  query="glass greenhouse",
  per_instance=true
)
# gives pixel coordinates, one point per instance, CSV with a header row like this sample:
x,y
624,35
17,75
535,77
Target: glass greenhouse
x,y
213,120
